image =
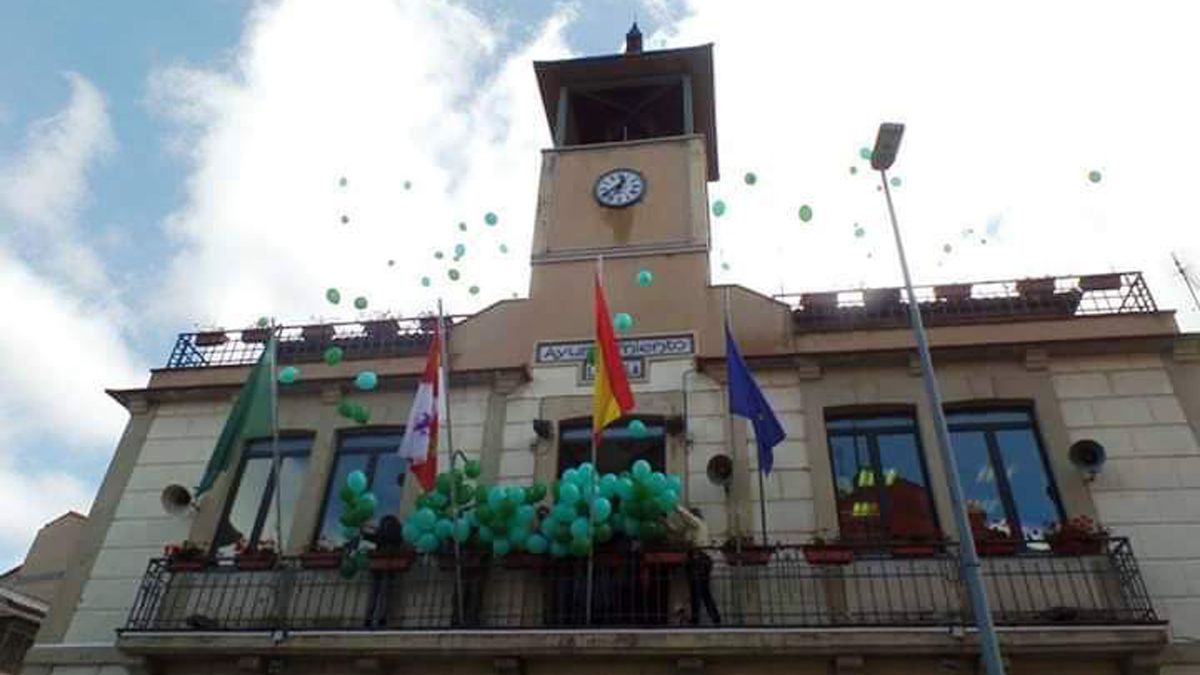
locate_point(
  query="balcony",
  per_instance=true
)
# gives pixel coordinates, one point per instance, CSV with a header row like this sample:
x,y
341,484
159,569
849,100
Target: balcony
x,y
379,338
973,303
647,592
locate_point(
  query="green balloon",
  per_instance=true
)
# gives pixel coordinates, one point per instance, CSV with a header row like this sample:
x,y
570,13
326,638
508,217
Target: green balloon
x,y
474,290
946,248
289,374
750,178
345,219
333,296
806,213
725,266
426,281
718,208
491,219
262,322
859,232
342,181
460,250
360,302
895,181
645,278
622,321
408,185
333,356
453,274
853,170
504,248
1094,176
362,414
472,468
637,428
439,255
462,227
864,152
346,408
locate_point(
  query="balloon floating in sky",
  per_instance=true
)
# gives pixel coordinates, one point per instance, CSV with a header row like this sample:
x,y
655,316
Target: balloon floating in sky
x,y
725,266
262,322
345,219
366,380
622,321
1094,176
859,232
408,185
474,290
637,428
718,208
491,219
439,255
805,213
983,241
462,227
360,302
460,250
453,274
288,374
333,296
864,152
895,181
504,248
946,248
391,263
645,278
342,181
853,170
751,178
425,281
333,356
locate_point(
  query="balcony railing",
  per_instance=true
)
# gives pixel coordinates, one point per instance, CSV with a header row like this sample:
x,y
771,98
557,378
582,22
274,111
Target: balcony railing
x,y
977,302
301,344
643,591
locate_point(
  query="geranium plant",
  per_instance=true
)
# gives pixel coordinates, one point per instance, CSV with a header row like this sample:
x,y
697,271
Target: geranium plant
x,y
1080,535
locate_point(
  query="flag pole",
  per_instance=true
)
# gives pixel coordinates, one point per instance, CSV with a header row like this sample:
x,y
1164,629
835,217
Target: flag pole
x,y
273,345
591,562
762,491
444,383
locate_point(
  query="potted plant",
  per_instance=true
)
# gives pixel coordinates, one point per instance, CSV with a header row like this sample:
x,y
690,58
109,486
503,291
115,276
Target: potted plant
x,y
915,546
1078,536
1039,287
821,551
953,292
877,299
743,551
321,556
380,329
995,541
186,557
260,557
256,335
317,333
211,338
1100,282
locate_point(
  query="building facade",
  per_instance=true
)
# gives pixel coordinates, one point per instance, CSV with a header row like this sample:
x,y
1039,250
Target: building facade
x,y
1037,374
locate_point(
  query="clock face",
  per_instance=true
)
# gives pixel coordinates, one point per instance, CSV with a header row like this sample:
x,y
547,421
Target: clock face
x,y
619,188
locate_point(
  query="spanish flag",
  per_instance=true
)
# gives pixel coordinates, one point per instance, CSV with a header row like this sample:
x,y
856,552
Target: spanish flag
x,y
611,397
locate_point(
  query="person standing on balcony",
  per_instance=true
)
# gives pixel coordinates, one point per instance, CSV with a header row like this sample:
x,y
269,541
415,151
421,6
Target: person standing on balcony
x,y
687,526
388,538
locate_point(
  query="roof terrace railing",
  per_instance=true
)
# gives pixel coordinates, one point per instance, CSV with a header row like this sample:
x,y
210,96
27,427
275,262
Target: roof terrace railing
x,y
976,302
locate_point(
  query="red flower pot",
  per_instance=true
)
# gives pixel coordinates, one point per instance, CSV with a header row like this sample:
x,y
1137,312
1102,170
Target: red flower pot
x,y
914,550
321,560
665,557
256,561
826,554
996,547
749,555
187,564
1074,547
390,562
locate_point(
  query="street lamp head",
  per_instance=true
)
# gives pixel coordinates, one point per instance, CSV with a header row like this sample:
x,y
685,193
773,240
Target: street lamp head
x,y
887,144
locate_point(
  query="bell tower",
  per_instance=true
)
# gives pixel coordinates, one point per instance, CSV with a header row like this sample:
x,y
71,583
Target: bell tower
x,y
635,145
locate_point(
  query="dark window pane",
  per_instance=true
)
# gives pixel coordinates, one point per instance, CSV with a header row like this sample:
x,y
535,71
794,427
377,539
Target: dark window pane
x,y
904,487
978,478
963,417
389,469
331,530
618,448
1033,493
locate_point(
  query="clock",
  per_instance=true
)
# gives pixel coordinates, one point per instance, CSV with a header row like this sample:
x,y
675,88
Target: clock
x,y
619,188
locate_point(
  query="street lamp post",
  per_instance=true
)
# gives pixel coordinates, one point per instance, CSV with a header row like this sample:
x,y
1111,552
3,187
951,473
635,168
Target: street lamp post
x,y
887,144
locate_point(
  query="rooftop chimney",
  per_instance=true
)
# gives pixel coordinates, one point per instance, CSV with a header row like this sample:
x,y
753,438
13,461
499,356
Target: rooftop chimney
x,y
633,40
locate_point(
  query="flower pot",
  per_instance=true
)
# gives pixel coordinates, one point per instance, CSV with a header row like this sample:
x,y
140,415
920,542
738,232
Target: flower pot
x,y
1076,547
914,550
876,299
390,562
256,335
211,338
996,547
748,555
1100,282
255,561
826,554
187,564
953,292
380,330
664,557
1036,287
321,560
319,334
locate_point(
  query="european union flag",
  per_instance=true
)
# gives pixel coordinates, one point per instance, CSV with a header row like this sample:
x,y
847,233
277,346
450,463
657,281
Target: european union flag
x,y
747,400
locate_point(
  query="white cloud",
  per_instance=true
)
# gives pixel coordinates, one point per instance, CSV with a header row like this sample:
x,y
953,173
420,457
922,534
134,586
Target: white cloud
x,y
1007,108
381,93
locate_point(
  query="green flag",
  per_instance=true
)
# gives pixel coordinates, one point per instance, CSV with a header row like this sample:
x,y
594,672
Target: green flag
x,y
251,417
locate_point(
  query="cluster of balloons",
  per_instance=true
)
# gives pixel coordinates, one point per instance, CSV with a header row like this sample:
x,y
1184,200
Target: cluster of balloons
x,y
358,506
580,515
353,410
444,512
645,498
507,519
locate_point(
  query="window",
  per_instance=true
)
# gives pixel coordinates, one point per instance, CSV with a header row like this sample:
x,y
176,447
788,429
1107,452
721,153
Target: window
x,y
880,477
1002,469
252,510
373,452
618,450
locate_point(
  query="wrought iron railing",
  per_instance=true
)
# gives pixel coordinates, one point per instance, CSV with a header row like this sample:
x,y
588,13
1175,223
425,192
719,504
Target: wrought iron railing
x,y
300,344
661,590
982,301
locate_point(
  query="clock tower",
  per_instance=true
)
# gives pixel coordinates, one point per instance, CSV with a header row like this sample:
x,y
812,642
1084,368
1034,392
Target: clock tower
x,y
634,148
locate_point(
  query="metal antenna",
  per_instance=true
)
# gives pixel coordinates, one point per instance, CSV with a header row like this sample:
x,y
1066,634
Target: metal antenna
x,y
1189,279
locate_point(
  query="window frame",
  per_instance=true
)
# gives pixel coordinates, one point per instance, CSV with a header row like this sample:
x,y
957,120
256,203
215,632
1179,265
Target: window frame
x,y
575,423
842,413
249,451
372,464
996,457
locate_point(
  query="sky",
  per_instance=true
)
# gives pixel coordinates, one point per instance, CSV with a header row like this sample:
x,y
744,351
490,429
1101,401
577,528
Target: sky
x,y
171,166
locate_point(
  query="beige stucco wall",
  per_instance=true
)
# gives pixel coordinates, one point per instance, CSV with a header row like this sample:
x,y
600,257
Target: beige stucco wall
x,y
49,555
